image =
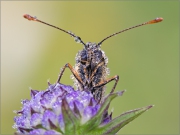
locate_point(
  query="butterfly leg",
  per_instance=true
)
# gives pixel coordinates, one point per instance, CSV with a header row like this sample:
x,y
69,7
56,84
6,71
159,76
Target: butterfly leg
x,y
74,72
115,78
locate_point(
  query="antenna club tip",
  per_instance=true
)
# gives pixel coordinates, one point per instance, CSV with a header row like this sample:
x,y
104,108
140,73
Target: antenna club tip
x,y
158,19
30,18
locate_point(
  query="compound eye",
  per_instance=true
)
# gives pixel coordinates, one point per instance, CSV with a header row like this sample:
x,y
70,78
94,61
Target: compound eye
x,y
98,54
83,57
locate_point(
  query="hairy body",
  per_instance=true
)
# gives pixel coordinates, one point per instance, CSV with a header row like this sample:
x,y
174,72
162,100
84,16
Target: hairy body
x,y
91,66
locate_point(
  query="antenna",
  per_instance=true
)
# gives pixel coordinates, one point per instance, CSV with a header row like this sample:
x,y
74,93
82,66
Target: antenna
x,y
158,19
31,18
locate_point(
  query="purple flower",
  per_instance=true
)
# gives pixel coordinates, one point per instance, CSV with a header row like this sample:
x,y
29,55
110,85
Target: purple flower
x,y
62,110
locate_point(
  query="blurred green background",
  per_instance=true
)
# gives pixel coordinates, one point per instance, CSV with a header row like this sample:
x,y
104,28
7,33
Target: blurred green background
x,y
146,58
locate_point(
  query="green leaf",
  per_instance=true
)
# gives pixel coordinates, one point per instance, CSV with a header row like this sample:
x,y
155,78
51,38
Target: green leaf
x,y
71,122
116,124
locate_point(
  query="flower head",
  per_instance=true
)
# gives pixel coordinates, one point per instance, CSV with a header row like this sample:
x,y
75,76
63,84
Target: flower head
x,y
62,110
